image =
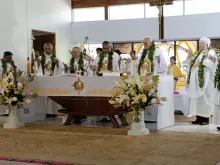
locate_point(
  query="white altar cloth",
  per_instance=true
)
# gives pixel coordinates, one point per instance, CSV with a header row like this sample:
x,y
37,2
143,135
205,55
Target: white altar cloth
x,y
163,114
102,86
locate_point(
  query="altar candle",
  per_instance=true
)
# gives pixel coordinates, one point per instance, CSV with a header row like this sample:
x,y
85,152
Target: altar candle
x,y
29,66
149,66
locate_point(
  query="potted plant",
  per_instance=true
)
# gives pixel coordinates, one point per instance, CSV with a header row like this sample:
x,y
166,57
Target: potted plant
x,y
12,95
138,94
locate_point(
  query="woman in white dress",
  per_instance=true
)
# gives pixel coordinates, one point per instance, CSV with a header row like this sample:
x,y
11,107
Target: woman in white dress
x,y
216,96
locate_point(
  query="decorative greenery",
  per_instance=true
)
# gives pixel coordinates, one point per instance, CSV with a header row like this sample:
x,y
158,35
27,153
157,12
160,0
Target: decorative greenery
x,y
201,72
217,73
12,92
43,62
4,67
217,78
110,61
80,64
136,93
191,66
144,54
150,57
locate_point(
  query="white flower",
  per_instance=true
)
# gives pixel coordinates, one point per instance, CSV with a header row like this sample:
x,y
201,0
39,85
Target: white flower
x,y
153,101
20,86
28,101
152,91
150,82
5,80
10,76
112,102
10,100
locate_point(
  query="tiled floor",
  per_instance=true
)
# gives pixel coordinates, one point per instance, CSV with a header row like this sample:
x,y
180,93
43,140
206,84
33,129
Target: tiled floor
x,y
178,127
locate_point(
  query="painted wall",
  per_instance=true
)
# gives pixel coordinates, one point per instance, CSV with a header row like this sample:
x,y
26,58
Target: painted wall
x,y
178,27
192,26
115,30
18,18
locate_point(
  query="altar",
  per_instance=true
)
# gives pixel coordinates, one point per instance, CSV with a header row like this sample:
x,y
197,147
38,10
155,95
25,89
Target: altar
x,y
85,86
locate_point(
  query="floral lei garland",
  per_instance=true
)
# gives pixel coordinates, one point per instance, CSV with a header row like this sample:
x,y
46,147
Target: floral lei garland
x,y
150,57
217,78
110,61
200,71
43,61
4,67
80,64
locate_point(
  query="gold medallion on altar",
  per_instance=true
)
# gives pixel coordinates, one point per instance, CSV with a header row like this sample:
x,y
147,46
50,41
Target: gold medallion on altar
x,y
78,85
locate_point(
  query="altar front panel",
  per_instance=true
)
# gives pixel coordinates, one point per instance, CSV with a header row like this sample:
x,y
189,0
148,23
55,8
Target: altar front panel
x,y
64,86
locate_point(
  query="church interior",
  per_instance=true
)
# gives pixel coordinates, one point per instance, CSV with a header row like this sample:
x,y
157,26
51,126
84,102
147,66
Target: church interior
x,y
69,70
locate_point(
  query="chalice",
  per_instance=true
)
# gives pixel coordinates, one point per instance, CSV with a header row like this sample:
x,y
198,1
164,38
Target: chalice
x,y
93,68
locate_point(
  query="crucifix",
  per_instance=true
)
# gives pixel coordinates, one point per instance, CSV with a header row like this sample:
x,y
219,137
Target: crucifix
x,y
160,6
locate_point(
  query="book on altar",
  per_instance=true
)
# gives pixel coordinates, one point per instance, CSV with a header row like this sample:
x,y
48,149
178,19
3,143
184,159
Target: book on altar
x,y
111,74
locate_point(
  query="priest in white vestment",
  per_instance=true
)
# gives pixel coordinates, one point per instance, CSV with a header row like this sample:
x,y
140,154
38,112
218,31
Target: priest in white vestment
x,y
102,62
107,61
50,66
155,55
215,96
7,65
199,81
79,64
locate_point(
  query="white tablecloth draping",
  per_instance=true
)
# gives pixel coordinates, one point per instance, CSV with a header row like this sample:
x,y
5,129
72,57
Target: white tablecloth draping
x,y
181,103
163,114
102,86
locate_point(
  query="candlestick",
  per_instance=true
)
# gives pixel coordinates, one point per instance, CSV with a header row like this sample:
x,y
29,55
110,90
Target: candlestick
x,y
29,66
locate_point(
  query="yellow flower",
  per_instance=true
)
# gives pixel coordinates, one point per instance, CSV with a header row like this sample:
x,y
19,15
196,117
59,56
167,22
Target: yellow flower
x,y
142,97
124,77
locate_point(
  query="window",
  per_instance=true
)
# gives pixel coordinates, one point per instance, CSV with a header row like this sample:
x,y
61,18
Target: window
x,y
151,11
88,14
175,9
201,6
167,49
126,12
181,53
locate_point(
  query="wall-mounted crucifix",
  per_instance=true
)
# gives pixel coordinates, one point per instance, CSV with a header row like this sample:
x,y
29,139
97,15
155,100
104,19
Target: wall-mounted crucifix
x,y
160,4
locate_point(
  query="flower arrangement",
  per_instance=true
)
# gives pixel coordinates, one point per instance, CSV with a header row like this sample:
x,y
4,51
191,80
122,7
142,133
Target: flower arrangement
x,y
136,93
12,92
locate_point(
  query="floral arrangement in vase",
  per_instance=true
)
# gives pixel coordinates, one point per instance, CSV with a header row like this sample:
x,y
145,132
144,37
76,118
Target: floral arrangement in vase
x,y
12,96
138,94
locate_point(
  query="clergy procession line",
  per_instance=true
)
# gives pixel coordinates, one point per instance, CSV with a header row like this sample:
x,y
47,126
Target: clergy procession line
x,y
202,84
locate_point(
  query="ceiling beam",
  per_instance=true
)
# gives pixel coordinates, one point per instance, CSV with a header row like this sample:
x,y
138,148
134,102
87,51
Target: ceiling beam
x,y
100,3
